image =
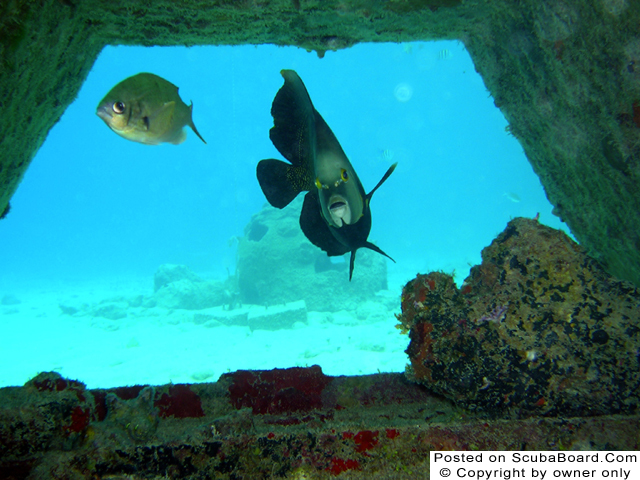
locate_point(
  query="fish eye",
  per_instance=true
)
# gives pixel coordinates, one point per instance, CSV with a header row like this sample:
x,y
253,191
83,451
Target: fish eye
x,y
118,107
344,175
319,184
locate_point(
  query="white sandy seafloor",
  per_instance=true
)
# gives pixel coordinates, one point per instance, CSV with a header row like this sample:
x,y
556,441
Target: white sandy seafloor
x,y
158,346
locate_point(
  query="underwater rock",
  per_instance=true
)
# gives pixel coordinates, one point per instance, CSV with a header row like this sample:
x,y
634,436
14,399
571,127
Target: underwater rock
x,y
168,273
277,265
255,317
136,418
538,328
9,299
50,411
217,316
110,310
278,316
372,312
203,375
113,308
176,286
68,309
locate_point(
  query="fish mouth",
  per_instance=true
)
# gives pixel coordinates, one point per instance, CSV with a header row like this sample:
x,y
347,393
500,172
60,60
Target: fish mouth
x,y
337,206
104,114
339,210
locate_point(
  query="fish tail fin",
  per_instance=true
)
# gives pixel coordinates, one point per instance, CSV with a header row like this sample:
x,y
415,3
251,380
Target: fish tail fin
x,y
371,246
382,180
275,180
192,125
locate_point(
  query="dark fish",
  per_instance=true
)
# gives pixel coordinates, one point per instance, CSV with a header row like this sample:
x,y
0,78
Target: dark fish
x,y
147,109
336,215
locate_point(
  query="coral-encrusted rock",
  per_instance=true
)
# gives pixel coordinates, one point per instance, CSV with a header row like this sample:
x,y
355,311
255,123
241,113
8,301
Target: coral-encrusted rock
x,y
176,286
537,329
167,274
48,412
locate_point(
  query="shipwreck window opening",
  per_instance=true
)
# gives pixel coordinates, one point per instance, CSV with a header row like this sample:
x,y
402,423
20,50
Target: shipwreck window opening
x,y
96,216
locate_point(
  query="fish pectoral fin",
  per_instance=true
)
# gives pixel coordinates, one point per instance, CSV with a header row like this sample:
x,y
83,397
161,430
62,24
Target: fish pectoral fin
x,y
316,229
160,120
277,182
371,246
384,177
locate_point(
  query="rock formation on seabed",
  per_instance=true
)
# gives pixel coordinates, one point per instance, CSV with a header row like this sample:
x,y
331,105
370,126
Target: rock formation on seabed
x,y
538,328
277,264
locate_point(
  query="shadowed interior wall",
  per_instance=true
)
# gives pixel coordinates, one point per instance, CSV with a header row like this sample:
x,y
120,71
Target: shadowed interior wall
x,y
566,75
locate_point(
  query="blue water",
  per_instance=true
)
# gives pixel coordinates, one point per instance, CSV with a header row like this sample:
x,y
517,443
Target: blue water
x,y
93,205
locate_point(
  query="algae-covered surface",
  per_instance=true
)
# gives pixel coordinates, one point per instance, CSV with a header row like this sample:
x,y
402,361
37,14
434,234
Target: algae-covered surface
x,y
290,423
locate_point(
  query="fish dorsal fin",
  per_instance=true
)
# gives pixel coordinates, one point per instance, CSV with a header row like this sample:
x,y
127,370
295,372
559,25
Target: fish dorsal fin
x,y
293,131
326,139
316,229
159,121
384,177
192,125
